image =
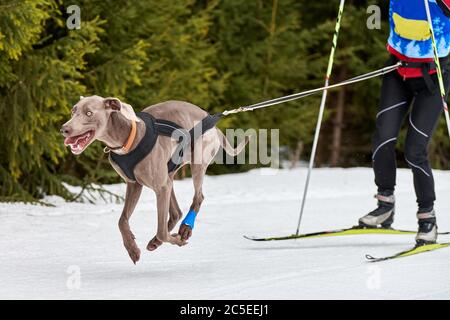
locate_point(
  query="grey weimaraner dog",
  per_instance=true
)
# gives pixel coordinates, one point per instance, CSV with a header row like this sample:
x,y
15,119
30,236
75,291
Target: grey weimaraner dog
x,y
111,121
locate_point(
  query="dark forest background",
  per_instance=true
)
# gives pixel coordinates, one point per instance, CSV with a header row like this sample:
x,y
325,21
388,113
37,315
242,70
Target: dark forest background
x,y
217,54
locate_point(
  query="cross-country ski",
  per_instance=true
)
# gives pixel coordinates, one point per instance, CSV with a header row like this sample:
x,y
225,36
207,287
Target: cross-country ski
x,y
339,232
410,252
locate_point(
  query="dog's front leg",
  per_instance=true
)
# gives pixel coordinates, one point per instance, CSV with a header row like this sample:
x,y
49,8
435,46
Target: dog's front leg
x,y
131,198
162,235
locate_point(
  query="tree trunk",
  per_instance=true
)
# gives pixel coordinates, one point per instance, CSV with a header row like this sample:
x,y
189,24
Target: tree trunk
x,y
338,123
295,156
271,30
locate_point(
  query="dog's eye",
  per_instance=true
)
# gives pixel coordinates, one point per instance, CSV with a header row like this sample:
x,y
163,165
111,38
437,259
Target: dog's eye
x,y
89,113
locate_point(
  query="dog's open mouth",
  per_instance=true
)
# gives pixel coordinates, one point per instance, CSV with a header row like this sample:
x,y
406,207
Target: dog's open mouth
x,y
79,143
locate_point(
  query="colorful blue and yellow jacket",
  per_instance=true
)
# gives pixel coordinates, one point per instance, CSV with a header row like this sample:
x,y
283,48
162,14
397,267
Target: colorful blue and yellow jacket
x,y
410,34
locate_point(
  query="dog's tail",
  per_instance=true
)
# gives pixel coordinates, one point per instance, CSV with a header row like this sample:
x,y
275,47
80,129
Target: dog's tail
x,y
227,146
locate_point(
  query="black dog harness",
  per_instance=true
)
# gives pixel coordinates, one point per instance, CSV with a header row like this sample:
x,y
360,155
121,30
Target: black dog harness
x,y
153,129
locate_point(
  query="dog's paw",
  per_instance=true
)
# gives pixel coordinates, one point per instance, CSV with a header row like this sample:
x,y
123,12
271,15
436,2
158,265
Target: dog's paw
x,y
134,253
185,232
176,239
154,244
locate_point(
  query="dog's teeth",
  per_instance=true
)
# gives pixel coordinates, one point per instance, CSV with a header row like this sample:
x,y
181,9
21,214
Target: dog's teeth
x,y
80,143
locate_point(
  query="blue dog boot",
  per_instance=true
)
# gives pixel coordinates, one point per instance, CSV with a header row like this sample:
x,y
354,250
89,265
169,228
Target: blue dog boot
x,y
189,220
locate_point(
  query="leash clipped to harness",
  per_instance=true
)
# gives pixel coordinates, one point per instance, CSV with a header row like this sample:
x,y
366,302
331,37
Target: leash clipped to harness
x,y
425,68
128,160
199,129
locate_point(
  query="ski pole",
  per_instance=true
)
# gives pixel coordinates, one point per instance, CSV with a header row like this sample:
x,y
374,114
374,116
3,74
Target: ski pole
x,y
321,111
438,65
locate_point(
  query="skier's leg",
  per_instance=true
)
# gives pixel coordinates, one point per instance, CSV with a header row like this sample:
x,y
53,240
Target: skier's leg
x,y
423,120
394,102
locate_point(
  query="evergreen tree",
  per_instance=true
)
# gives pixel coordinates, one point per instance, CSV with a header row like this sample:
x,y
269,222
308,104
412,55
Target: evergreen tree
x,y
142,52
39,76
262,50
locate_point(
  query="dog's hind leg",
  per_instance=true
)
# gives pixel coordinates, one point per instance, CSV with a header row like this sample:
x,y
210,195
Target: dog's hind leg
x,y
131,198
198,172
175,213
204,152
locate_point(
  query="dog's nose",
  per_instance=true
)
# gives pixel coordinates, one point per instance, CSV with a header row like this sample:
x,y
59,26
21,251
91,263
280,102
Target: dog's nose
x,y
65,131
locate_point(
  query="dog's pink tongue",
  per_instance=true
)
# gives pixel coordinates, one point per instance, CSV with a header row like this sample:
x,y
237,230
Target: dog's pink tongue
x,y
69,140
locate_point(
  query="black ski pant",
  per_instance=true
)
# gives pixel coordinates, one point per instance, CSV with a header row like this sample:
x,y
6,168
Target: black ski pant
x,y
410,99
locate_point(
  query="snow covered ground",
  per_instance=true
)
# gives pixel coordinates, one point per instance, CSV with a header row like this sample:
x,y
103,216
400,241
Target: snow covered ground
x,y
74,250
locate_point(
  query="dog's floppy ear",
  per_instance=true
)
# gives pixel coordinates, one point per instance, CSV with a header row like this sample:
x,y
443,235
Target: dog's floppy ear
x,y
125,109
113,104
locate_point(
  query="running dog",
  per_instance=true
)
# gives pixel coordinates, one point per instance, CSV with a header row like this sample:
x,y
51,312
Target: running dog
x,y
115,123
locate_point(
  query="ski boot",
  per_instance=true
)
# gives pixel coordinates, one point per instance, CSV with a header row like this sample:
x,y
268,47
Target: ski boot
x,y
383,215
427,233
